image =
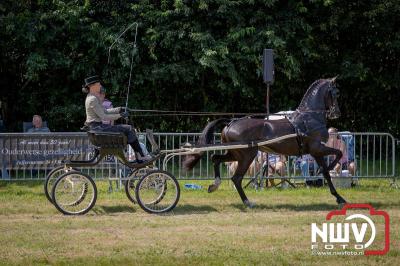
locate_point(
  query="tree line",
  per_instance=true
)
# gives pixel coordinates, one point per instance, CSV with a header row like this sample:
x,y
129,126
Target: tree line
x,y
200,55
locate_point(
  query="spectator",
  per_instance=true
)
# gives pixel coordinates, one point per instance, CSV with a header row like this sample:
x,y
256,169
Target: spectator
x,y
309,167
276,165
336,142
38,127
349,140
254,168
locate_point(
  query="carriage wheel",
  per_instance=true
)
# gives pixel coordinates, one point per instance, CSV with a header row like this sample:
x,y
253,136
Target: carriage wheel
x,y
157,192
130,183
52,177
74,193
130,189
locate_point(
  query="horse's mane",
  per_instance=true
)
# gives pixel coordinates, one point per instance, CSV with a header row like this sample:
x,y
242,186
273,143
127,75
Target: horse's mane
x,y
316,84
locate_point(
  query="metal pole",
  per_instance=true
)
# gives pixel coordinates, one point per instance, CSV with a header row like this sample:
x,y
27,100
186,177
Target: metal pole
x,y
267,101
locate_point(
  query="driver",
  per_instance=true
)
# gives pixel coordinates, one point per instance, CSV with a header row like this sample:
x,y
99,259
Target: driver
x,y
95,114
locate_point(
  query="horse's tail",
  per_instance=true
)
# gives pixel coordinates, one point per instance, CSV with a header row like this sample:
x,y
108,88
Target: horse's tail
x,y
206,137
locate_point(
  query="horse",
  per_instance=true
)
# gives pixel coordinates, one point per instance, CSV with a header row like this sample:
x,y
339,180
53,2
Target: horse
x,y
307,123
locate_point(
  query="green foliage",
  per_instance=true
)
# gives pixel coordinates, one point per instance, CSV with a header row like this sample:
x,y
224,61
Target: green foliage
x,y
199,56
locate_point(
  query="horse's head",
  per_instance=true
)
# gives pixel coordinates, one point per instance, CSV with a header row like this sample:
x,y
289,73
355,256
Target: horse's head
x,y
321,97
331,99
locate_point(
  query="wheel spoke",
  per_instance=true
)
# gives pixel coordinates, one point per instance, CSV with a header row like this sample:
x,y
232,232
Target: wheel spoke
x,y
74,193
130,184
51,179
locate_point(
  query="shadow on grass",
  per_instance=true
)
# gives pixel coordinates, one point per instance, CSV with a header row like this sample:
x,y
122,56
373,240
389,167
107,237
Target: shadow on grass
x,y
98,209
382,205
293,207
186,209
311,207
28,183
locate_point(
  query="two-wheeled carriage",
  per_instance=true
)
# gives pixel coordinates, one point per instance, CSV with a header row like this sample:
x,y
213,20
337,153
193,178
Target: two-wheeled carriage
x,y
73,192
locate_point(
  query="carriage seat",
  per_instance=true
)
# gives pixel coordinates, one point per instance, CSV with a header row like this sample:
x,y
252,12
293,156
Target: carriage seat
x,y
108,140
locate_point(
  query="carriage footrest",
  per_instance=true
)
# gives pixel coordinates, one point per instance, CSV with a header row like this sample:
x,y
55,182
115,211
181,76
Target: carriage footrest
x,y
133,164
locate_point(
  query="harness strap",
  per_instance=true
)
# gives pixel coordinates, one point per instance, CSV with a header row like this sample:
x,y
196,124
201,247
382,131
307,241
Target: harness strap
x,y
312,111
300,142
299,137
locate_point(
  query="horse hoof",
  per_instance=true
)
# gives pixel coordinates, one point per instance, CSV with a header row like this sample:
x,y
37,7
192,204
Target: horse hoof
x,y
212,188
249,204
341,202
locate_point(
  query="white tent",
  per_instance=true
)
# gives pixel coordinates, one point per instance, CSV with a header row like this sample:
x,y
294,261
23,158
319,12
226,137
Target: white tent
x,y
279,115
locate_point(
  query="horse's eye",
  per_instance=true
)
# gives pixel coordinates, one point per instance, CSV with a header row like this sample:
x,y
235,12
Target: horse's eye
x,y
335,93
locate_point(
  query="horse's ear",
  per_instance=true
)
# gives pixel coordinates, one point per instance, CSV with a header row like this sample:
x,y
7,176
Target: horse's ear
x,y
333,80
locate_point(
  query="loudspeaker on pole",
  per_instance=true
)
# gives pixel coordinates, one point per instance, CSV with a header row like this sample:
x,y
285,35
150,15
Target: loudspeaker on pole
x,y
268,66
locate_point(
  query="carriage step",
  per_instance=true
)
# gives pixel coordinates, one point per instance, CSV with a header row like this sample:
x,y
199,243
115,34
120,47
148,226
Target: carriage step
x,y
154,145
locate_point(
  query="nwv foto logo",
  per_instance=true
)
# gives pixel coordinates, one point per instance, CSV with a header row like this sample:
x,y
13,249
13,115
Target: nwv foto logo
x,y
350,235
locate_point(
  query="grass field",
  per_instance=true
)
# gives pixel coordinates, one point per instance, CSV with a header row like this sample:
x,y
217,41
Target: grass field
x,y
203,229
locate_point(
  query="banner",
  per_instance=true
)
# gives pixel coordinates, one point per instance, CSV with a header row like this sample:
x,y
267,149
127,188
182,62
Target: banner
x,y
44,150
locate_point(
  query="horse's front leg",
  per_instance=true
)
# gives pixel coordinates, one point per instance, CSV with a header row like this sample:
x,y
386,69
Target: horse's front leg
x,y
217,159
318,151
327,176
338,155
323,150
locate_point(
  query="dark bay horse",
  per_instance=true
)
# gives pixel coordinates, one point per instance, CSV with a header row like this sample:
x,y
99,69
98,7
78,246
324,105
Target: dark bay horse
x,y
308,122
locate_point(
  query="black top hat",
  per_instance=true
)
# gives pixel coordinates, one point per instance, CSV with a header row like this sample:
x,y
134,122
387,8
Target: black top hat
x,y
91,80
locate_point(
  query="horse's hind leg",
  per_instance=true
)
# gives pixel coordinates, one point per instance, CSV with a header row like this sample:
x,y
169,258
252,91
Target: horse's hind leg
x,y
217,159
244,161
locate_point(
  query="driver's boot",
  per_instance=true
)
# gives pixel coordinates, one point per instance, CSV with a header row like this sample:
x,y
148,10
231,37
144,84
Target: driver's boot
x,y
140,157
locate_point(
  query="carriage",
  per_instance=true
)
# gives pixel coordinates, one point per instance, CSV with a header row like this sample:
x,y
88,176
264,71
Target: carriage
x,y
73,192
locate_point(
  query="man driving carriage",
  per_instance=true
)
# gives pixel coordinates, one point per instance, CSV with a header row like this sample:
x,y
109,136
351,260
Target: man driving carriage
x,y
95,114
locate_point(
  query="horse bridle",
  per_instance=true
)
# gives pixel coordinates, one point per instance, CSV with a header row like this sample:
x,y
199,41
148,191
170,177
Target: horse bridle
x,y
334,92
